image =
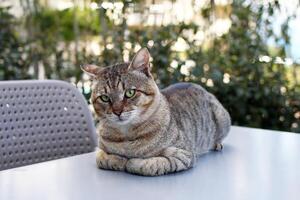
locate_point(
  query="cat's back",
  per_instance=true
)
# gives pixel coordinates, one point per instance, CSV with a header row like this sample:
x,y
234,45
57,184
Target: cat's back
x,y
184,92
188,101
191,99
198,114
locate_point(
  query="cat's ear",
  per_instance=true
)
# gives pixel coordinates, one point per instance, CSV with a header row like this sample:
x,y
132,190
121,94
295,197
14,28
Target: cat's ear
x,y
141,61
92,70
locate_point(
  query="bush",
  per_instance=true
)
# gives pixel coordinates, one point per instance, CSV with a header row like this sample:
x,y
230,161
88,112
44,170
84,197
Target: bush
x,y
13,64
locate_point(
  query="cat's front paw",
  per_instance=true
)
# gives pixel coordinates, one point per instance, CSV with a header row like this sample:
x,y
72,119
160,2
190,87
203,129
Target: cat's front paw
x,y
110,161
154,166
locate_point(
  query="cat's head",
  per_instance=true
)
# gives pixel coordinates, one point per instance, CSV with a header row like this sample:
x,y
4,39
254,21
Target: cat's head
x,y
124,93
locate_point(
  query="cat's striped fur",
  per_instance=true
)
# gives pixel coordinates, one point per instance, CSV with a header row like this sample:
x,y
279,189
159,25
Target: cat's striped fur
x,y
155,132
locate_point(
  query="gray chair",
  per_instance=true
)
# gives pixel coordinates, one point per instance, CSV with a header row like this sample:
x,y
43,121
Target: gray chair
x,y
41,121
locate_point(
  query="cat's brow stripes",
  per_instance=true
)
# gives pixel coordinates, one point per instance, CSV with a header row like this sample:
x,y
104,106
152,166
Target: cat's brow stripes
x,y
120,81
108,84
114,76
123,85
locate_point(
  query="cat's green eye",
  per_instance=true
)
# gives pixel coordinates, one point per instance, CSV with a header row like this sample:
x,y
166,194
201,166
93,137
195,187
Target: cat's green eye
x,y
130,93
104,98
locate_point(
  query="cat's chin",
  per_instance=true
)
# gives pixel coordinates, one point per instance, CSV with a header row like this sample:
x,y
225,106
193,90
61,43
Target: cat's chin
x,y
125,119
121,121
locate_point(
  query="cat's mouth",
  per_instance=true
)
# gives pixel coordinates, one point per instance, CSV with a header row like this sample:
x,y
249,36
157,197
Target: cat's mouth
x,y
121,119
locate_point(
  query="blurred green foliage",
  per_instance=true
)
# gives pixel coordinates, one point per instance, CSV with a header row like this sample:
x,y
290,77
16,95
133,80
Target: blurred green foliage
x,y
257,94
59,23
13,64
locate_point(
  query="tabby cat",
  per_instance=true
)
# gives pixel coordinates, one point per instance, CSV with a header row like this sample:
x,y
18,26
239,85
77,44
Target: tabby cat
x,y
147,131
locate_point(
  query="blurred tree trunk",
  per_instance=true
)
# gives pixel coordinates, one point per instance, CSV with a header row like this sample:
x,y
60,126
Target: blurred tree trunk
x,y
103,28
76,30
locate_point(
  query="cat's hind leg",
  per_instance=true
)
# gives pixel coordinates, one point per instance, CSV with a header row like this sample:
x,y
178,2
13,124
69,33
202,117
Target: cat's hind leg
x,y
170,160
110,161
223,124
218,147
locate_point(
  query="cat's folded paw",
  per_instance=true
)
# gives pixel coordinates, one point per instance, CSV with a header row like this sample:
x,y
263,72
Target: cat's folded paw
x,y
134,166
110,161
180,159
148,167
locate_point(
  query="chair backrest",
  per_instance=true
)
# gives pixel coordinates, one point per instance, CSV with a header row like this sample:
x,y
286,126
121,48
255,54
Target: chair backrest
x,y
41,121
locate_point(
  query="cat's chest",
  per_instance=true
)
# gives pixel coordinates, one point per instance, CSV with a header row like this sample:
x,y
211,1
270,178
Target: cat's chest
x,y
129,149
141,144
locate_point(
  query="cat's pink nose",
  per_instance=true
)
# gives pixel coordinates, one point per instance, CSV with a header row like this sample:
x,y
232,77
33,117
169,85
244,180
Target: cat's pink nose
x,y
117,112
117,108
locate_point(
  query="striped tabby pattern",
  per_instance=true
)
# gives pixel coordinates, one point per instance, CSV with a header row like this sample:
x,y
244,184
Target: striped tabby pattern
x,y
150,132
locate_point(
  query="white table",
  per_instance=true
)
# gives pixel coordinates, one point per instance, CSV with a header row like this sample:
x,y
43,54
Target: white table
x,y
255,164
